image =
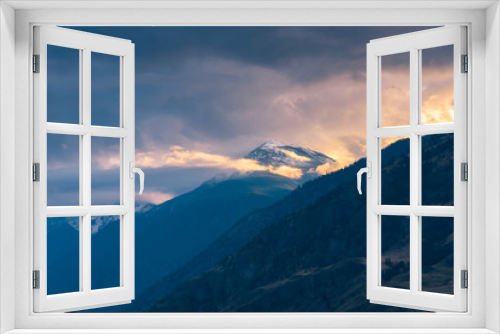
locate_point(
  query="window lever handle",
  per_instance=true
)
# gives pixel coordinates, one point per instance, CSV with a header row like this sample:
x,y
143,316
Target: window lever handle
x,y
368,171
139,171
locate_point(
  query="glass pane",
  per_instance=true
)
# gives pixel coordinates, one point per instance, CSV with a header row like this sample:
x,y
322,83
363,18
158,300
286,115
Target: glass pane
x,y
395,90
105,171
63,170
63,255
437,254
395,180
105,252
63,85
105,90
395,241
437,85
437,169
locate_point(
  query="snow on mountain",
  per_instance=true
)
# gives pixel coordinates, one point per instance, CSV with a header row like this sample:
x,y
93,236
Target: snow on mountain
x,y
276,154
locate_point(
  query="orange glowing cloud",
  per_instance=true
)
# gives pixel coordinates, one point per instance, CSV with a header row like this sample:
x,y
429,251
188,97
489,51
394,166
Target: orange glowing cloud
x,y
391,140
177,156
327,168
328,116
437,94
295,155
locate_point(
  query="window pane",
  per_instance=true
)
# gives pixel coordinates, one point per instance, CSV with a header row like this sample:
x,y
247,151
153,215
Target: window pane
x,y
395,180
105,171
437,254
437,169
437,85
63,170
105,252
63,255
395,241
395,90
63,85
105,90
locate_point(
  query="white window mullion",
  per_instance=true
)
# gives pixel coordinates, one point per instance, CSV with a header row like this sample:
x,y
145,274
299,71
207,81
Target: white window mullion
x,y
373,226
414,173
127,221
433,129
81,219
122,180
86,167
396,131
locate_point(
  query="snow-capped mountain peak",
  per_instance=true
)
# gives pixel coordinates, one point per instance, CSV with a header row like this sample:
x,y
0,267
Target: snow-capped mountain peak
x,y
275,153
271,144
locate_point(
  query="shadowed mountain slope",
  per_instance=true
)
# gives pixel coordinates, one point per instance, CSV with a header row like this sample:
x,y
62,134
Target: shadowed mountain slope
x,y
313,259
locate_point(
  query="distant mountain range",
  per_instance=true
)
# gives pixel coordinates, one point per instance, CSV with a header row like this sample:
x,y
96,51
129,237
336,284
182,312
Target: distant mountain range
x,y
312,259
261,242
242,232
167,235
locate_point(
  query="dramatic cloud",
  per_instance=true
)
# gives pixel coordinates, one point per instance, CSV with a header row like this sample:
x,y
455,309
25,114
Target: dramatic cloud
x,y
437,94
207,96
327,168
177,156
437,97
246,105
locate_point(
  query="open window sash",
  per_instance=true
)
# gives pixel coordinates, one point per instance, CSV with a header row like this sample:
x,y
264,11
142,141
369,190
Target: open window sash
x,y
415,297
85,43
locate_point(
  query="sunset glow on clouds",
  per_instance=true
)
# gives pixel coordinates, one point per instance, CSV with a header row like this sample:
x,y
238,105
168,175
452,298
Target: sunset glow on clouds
x,y
437,94
205,99
177,156
437,97
307,116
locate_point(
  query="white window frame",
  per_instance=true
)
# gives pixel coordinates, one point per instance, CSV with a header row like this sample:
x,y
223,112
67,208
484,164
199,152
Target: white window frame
x,y
85,44
482,18
413,44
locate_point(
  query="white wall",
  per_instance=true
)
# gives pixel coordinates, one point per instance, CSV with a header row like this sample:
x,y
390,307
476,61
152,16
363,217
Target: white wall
x,y
7,160
492,165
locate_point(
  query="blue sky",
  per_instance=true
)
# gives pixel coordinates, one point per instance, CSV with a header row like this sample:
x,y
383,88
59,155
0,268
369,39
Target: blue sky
x,y
206,94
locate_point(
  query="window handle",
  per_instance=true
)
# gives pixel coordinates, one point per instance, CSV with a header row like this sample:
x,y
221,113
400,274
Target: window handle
x,y
368,171
139,171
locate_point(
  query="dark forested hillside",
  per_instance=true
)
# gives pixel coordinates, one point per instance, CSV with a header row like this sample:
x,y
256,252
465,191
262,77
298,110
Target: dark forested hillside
x,y
313,259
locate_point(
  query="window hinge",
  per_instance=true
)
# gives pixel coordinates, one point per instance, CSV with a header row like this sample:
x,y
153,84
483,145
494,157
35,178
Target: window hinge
x,y
465,64
464,171
36,172
36,279
36,63
465,279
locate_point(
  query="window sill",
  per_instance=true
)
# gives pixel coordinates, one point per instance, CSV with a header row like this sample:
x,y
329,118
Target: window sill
x,y
248,331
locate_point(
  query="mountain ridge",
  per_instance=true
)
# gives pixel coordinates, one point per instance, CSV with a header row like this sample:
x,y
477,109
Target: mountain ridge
x,y
284,267
275,153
